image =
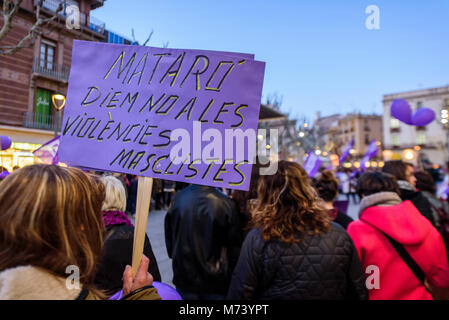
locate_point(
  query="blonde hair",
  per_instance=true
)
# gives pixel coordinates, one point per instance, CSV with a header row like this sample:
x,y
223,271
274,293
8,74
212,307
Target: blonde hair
x,y
50,217
115,199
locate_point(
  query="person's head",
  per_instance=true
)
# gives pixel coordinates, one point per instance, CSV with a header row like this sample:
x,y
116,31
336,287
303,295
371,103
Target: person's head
x,y
287,205
400,170
327,186
425,182
374,182
50,217
115,199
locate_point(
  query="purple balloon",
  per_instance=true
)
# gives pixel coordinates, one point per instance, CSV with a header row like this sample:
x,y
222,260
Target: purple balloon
x,y
400,109
166,292
423,117
5,142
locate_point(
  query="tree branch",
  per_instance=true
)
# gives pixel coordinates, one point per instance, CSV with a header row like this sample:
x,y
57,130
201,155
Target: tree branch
x,y
148,39
35,30
8,15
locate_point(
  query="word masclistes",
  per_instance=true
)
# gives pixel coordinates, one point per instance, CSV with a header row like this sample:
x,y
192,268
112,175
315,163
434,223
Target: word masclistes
x,y
150,101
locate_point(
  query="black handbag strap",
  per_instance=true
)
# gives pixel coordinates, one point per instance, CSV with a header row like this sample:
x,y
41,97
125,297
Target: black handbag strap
x,y
407,259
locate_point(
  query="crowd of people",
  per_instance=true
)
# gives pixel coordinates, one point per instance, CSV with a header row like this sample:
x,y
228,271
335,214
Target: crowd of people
x,y
284,238
297,244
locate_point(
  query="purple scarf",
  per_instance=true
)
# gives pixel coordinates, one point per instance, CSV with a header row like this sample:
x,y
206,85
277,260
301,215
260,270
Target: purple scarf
x,y
111,218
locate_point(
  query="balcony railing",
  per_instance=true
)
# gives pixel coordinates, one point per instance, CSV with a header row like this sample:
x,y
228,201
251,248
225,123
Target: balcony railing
x,y
53,70
41,121
85,20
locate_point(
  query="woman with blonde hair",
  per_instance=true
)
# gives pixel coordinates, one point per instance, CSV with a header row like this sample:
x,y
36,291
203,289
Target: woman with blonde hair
x,y
51,235
294,251
119,239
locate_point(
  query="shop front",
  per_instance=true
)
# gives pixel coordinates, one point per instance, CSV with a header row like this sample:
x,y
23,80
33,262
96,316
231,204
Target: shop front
x,y
24,142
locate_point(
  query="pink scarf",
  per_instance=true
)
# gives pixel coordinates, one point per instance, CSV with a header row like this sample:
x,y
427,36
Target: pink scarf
x,y
111,218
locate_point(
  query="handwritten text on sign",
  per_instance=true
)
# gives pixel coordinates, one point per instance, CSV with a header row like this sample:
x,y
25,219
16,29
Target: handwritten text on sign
x,y
183,115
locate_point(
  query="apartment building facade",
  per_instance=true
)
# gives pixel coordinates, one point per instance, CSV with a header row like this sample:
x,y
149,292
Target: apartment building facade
x,y
412,143
31,76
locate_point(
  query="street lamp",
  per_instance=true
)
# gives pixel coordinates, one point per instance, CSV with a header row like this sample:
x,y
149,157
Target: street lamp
x,y
445,116
58,103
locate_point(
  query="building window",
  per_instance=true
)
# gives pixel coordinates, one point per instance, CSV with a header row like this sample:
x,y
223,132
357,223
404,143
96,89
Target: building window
x,y
394,123
47,57
395,140
421,138
367,142
43,112
419,105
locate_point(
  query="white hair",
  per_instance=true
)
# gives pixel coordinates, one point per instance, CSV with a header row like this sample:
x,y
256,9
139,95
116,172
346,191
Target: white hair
x,y
115,199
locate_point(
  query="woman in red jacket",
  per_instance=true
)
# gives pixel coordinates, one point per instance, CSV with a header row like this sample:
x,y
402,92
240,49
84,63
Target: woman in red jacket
x,y
382,213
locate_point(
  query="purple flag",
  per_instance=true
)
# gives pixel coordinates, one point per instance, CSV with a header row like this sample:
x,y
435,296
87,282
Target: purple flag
x,y
443,189
48,152
312,164
371,152
173,114
345,153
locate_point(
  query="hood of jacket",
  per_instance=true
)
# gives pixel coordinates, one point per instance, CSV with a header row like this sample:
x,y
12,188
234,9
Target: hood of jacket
x,y
384,199
402,222
33,283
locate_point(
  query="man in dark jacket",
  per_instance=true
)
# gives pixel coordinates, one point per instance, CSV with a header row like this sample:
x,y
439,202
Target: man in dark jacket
x,y
405,174
203,236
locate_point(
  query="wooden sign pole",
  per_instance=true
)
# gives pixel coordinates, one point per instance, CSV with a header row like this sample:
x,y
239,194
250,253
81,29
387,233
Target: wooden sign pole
x,y
144,189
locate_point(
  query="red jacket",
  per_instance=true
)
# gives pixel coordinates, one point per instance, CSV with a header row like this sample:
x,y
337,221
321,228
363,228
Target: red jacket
x,y
405,224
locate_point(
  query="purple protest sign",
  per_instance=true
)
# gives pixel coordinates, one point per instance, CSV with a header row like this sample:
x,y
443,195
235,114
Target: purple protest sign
x,y
48,152
312,164
443,189
173,114
345,153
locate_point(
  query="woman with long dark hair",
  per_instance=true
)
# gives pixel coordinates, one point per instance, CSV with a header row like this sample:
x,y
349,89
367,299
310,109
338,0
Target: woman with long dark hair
x,y
294,251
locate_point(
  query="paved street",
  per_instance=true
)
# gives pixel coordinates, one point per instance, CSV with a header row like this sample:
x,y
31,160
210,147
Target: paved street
x,y
353,208
155,231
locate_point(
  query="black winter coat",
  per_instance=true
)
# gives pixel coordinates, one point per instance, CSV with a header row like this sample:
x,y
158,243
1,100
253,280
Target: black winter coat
x,y
420,202
322,267
343,219
117,253
203,235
